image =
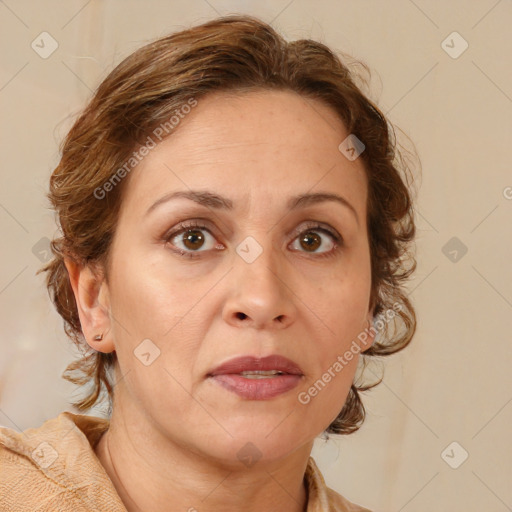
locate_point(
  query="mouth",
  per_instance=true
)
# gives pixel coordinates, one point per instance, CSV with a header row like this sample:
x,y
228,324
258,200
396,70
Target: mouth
x,y
258,378
261,374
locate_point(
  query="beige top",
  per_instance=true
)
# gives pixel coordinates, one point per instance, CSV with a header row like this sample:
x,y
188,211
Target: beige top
x,y
54,468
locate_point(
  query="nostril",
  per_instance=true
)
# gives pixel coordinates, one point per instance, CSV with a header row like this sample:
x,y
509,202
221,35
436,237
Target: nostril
x,y
241,316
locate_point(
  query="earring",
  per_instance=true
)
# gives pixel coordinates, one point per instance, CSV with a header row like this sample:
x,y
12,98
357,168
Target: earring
x,y
98,337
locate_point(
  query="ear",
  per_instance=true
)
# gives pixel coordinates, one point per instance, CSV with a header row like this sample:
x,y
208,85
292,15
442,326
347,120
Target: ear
x,y
93,303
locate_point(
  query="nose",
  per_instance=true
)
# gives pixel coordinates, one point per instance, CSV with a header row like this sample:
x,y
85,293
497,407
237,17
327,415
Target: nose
x,y
260,294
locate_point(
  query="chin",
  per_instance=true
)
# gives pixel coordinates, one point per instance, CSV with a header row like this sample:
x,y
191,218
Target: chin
x,y
254,441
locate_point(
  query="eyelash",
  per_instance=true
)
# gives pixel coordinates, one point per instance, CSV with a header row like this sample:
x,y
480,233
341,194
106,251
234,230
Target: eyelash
x,y
310,226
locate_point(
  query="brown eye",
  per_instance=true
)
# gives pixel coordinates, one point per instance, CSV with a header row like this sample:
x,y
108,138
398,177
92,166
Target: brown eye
x,y
310,241
313,240
193,239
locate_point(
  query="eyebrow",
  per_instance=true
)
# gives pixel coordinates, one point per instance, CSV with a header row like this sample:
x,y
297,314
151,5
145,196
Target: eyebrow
x,y
212,200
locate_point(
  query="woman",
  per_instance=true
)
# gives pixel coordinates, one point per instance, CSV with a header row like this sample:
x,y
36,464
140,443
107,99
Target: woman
x,y
234,218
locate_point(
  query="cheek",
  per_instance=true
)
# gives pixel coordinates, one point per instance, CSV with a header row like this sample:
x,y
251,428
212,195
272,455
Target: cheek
x,y
155,311
156,348
342,304
149,296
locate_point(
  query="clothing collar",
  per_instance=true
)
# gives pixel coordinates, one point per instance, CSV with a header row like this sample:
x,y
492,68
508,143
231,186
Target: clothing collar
x,y
62,449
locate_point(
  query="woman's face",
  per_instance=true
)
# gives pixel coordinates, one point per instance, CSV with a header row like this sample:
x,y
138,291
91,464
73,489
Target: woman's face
x,y
259,273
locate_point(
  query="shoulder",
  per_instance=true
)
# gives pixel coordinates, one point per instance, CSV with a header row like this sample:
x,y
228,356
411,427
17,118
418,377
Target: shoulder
x,y
338,503
321,497
42,446
53,467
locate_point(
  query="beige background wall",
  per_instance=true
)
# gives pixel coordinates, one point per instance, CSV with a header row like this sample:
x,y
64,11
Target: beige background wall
x,y
453,383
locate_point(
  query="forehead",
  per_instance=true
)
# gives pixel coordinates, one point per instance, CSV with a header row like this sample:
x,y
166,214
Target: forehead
x,y
252,146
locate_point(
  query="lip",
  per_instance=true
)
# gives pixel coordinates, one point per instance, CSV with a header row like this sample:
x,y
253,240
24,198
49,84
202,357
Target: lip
x,y
228,375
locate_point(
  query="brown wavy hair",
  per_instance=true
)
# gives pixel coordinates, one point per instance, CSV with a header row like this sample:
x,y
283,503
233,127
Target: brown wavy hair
x,y
232,53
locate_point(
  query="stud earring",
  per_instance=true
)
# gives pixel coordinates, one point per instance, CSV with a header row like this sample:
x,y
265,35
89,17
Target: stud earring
x,y
98,337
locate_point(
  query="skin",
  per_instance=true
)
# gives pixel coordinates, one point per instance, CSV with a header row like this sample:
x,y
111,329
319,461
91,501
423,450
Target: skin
x,y
175,434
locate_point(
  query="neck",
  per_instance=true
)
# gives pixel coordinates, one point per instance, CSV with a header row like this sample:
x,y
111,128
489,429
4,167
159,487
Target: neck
x,y
153,473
